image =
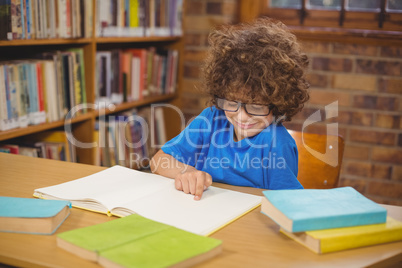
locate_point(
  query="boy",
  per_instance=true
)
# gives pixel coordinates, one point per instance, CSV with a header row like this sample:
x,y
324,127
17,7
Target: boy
x,y
254,77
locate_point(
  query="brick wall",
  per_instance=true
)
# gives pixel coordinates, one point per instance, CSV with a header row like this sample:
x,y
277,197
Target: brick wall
x,y
200,17
365,80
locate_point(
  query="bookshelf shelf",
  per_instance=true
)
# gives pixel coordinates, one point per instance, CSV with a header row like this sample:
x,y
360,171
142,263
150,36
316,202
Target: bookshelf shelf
x,y
19,132
139,103
47,42
101,40
97,40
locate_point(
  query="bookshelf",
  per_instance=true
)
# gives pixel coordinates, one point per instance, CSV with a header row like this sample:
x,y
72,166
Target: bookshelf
x,y
83,125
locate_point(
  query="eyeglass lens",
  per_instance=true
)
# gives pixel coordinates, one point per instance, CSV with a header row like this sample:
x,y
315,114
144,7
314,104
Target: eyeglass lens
x,y
233,106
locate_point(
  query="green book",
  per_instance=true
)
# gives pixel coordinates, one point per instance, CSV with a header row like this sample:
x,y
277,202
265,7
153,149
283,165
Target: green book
x,y
135,241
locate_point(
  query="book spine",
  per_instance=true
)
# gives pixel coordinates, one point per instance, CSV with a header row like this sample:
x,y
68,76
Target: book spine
x,y
8,100
14,85
42,18
41,92
32,11
3,100
24,95
134,13
80,53
62,18
23,19
28,19
359,240
339,221
68,19
38,20
8,21
76,78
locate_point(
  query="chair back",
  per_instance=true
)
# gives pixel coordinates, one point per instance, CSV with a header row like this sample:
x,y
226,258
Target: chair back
x,y
320,159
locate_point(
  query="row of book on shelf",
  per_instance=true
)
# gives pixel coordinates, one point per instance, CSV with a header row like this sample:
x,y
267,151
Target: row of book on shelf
x,y
44,19
48,86
131,74
48,144
42,89
140,18
129,139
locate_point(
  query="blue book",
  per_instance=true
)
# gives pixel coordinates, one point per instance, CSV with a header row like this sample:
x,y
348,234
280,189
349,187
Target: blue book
x,y
317,209
34,216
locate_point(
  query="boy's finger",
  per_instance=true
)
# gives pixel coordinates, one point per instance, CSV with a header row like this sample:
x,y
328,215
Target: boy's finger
x,y
199,188
178,185
207,181
185,185
192,186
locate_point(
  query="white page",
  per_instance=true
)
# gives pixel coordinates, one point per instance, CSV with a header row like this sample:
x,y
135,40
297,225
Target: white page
x,y
111,187
216,208
156,198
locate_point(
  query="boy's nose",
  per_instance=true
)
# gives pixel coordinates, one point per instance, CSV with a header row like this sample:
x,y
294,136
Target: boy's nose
x,y
242,115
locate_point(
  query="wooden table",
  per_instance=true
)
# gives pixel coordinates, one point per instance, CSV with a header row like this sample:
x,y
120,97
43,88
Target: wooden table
x,y
251,241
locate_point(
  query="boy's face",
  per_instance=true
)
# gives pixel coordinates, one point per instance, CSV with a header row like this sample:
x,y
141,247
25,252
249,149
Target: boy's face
x,y
244,124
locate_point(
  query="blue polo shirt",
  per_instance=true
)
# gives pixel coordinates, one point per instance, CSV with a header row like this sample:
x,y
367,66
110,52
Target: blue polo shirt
x,y
267,160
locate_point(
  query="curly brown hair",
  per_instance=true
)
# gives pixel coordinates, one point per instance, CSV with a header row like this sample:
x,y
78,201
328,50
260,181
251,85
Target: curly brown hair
x,y
262,58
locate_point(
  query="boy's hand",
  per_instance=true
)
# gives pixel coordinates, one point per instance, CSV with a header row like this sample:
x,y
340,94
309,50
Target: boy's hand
x,y
193,182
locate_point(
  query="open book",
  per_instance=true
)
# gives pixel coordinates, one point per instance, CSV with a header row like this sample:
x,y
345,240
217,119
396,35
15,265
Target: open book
x,y
122,191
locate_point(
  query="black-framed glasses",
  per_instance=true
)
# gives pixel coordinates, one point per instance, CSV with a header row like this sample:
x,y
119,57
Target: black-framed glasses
x,y
251,109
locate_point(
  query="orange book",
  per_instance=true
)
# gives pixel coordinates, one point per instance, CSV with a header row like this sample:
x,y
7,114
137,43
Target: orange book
x,y
126,76
142,55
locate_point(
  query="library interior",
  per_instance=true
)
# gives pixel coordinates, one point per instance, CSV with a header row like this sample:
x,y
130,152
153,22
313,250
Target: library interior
x,y
92,92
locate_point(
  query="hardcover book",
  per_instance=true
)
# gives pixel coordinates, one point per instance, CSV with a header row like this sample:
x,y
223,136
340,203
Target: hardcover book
x,y
135,241
34,216
317,209
123,191
330,240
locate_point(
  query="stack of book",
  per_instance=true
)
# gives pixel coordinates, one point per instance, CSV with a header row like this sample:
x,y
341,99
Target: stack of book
x,y
330,220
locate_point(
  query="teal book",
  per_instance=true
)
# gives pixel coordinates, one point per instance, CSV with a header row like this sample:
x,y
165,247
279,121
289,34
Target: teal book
x,y
317,209
33,216
135,241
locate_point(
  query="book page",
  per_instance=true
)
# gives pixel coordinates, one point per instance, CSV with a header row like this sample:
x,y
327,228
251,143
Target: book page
x,y
111,187
216,208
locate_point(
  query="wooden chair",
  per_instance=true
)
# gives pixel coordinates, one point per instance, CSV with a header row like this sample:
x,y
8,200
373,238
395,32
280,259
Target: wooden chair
x,y
320,159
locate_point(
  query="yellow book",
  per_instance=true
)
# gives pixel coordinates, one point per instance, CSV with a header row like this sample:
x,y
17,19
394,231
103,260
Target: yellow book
x,y
134,16
330,240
